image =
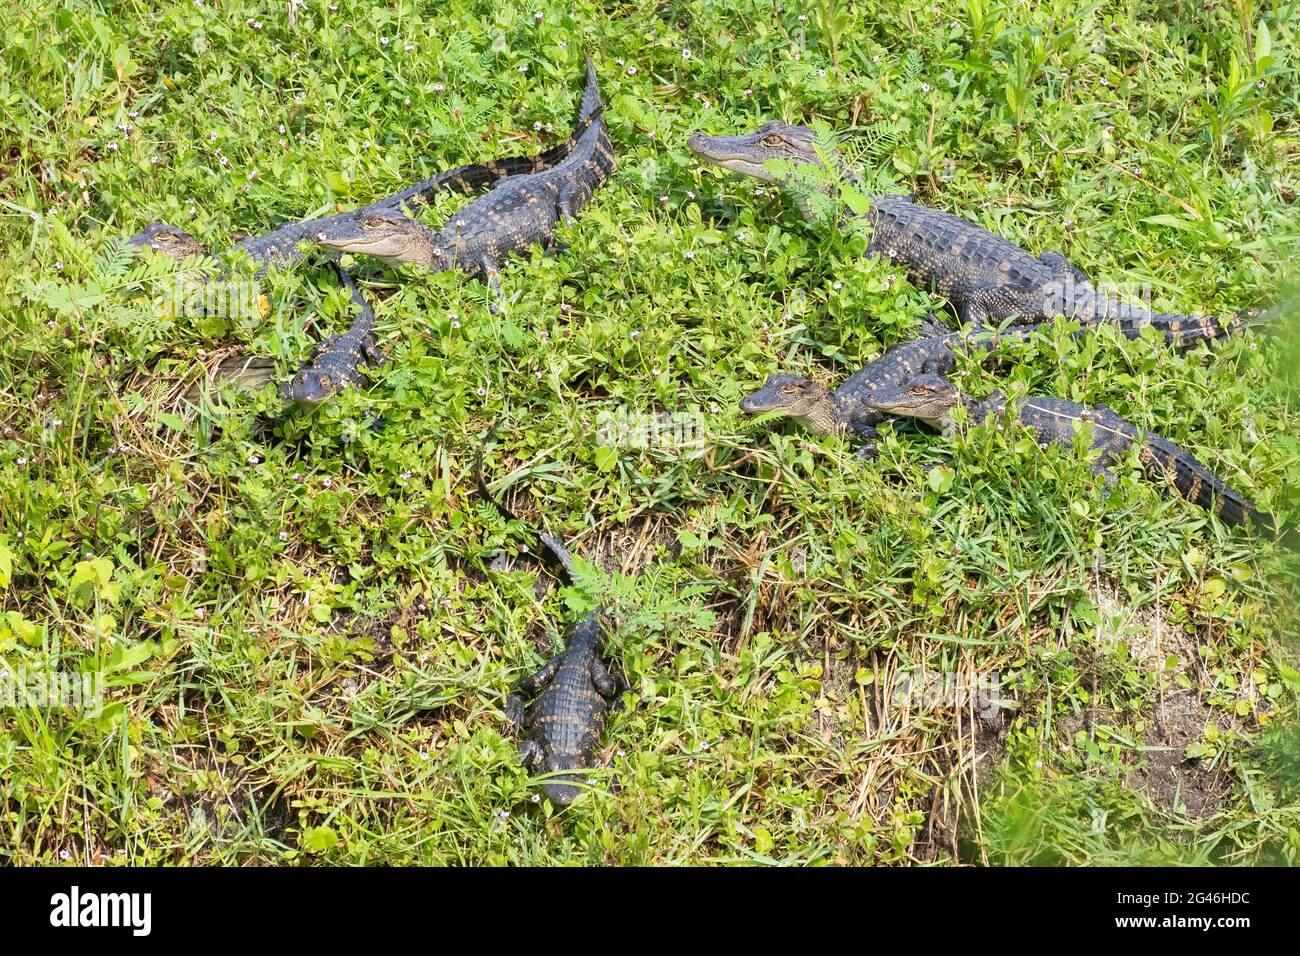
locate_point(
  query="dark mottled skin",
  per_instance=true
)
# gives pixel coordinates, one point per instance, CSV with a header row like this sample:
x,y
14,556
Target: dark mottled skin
x,y
563,724
932,398
561,708
984,276
280,246
337,361
849,409
517,213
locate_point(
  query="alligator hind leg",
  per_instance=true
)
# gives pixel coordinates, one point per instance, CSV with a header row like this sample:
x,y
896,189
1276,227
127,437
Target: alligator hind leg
x,y
972,314
603,680
374,355
572,197
1064,268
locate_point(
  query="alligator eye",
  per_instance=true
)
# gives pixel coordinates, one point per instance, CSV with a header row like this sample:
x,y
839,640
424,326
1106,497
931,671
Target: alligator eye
x,y
772,140
325,381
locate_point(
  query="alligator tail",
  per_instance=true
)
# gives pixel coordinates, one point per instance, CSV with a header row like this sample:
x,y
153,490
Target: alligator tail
x,y
592,104
1180,331
1163,460
471,177
366,320
553,544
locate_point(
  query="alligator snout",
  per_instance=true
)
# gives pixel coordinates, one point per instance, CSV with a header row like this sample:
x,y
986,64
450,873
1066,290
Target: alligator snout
x,y
697,141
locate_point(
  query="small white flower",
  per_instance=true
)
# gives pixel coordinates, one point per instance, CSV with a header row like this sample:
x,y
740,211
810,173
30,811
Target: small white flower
x,y
741,237
58,267
537,17
663,200
383,41
690,254
523,67
837,285
154,160
438,87
254,460
200,612
925,87
405,475
631,71
538,376
803,18
482,392
112,147
327,482
409,47
537,798
689,194
22,462
224,161
455,324
284,536
636,334
686,53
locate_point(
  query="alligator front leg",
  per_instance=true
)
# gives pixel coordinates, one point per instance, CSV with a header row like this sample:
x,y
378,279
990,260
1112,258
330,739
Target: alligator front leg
x,y
539,678
530,754
869,450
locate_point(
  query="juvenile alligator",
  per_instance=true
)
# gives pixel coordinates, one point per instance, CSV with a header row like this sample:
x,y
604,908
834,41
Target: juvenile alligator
x,y
336,362
983,276
849,410
280,246
518,212
931,398
570,694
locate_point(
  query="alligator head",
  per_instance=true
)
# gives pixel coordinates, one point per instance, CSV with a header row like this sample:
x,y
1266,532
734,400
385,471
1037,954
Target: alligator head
x,y
802,399
309,387
390,237
929,397
749,154
167,240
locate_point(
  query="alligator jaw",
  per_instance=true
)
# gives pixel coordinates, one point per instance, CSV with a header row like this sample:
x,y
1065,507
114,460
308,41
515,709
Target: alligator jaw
x,y
395,242
928,397
801,399
737,154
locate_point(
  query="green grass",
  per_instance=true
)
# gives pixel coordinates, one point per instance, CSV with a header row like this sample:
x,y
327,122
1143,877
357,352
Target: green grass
x,y
306,626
